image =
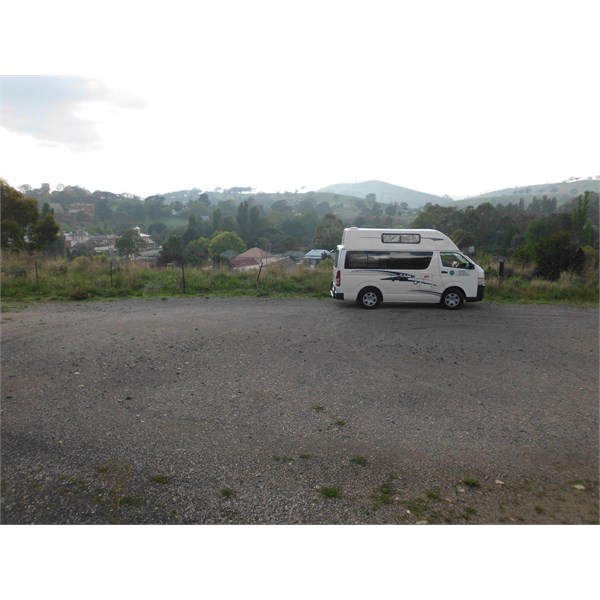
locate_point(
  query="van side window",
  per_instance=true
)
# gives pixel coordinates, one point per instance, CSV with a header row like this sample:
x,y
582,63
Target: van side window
x,y
454,260
411,261
356,260
406,261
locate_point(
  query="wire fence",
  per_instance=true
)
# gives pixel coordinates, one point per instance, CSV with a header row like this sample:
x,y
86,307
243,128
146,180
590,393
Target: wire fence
x,y
26,276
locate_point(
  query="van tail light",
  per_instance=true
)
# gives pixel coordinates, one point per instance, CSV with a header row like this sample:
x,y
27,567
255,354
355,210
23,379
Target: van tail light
x,y
338,278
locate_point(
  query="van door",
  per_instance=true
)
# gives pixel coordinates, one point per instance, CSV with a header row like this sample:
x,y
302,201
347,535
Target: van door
x,y
456,270
408,277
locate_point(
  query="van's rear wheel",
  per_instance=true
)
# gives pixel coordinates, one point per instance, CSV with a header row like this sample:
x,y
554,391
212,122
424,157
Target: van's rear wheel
x,y
453,299
369,298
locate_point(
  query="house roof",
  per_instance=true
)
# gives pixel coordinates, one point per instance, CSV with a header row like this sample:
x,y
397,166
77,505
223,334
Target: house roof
x,y
240,261
255,253
287,263
316,253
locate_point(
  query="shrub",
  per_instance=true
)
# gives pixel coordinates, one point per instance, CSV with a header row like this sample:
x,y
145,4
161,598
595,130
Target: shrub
x,y
81,264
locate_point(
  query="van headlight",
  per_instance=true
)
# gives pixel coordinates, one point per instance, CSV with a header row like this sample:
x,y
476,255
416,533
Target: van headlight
x,y
481,280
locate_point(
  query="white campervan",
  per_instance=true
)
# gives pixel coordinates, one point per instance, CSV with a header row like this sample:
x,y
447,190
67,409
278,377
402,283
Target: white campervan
x,y
404,265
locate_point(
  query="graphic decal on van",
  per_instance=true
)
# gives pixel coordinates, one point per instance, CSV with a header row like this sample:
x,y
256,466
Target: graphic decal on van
x,y
398,276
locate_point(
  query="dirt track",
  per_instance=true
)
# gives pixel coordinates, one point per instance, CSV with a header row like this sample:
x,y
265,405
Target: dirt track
x,y
299,411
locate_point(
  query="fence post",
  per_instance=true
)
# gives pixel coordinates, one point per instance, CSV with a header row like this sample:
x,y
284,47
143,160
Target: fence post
x,y
111,273
182,275
259,272
37,278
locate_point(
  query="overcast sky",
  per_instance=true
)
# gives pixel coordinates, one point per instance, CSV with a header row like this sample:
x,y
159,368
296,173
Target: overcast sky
x,y
446,97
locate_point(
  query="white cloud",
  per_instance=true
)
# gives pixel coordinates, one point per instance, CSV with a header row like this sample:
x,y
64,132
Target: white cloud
x,y
444,97
55,110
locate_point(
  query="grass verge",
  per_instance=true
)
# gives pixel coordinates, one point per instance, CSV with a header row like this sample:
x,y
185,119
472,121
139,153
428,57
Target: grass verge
x,y
26,279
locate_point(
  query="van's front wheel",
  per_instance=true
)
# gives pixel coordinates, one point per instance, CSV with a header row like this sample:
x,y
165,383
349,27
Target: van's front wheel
x,y
369,298
452,299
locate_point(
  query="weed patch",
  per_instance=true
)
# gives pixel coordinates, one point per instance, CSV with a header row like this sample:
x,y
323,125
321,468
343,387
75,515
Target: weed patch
x,y
468,513
330,492
282,459
160,478
384,494
472,483
114,492
228,493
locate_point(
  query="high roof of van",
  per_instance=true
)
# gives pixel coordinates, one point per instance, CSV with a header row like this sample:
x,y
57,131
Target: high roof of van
x,y
360,238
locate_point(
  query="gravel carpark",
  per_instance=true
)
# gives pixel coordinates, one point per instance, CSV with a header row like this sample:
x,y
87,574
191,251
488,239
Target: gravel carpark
x,y
281,411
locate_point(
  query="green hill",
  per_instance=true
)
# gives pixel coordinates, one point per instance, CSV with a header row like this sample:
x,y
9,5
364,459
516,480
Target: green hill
x,y
385,193
564,192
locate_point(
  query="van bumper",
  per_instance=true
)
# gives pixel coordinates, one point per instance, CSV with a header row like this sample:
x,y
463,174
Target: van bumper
x,y
480,294
335,295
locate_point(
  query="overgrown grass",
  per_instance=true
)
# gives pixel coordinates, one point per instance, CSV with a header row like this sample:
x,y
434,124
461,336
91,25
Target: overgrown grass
x,y
29,279
521,285
33,279
569,289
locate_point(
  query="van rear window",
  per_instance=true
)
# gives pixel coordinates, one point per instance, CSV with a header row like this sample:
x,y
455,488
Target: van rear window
x,y
383,259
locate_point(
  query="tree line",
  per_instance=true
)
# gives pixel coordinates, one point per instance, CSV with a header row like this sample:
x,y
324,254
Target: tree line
x,y
554,239
201,226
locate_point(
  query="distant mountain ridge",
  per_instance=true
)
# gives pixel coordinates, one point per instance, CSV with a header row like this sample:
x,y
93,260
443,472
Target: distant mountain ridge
x,y
386,193
563,191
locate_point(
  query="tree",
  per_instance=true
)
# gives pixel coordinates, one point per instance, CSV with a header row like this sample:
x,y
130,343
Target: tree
x,y
463,238
103,210
329,232
253,223
201,206
192,232
227,224
281,207
391,209
155,207
129,243
196,252
443,218
13,235
158,230
243,219
172,250
582,224
44,232
554,254
217,219
225,240
21,225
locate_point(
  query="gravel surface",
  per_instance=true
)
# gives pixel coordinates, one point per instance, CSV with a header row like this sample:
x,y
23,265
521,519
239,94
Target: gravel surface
x,y
268,411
